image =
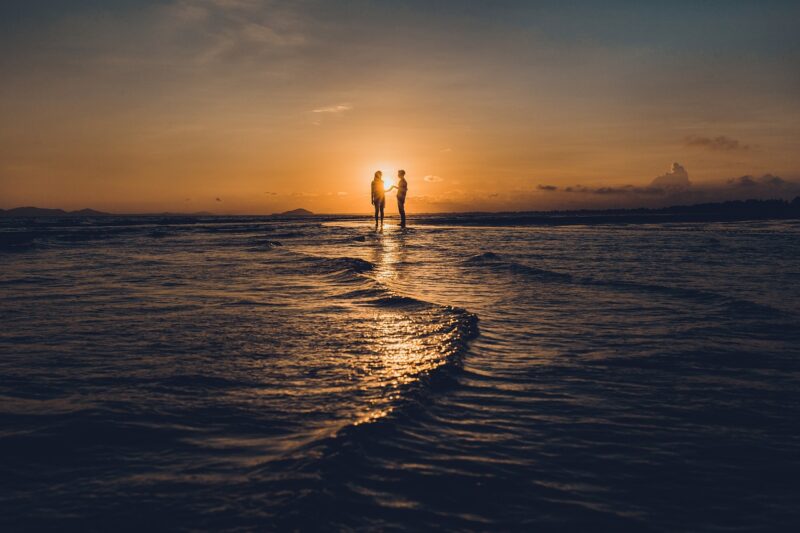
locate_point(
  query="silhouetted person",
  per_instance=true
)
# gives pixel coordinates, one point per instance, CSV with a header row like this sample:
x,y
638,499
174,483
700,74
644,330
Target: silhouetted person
x,y
402,190
378,197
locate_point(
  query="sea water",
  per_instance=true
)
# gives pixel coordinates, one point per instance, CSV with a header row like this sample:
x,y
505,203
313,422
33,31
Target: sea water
x,y
251,373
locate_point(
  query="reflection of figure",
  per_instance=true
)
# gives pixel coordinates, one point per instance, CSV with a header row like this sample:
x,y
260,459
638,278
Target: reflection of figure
x,y
378,196
402,190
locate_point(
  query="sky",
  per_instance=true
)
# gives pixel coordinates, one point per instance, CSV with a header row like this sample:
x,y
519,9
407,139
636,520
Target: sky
x,y
244,106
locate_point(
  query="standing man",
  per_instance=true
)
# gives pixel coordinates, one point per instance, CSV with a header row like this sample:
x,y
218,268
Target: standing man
x,y
402,190
378,194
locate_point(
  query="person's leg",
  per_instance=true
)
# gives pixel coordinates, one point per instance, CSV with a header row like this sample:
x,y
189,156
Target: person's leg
x,y
376,214
401,206
383,205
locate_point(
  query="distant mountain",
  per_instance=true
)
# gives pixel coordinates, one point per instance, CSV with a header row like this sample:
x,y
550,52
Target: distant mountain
x,y
88,213
295,213
34,212
41,212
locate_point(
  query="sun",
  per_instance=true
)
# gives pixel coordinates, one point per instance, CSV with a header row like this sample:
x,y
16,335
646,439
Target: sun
x,y
388,168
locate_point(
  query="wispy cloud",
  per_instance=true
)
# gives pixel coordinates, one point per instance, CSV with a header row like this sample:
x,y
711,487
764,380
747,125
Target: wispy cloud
x,y
433,179
720,143
339,108
224,29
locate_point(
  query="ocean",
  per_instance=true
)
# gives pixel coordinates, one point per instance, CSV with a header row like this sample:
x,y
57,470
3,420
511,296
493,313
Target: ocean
x,y
250,373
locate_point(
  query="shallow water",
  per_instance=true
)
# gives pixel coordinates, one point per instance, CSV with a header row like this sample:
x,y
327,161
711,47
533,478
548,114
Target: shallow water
x,y
249,373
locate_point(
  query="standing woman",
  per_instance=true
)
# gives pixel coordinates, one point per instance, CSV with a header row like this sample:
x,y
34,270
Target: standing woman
x,y
378,197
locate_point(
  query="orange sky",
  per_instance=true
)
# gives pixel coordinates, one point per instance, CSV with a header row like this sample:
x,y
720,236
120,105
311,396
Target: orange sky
x,y
237,106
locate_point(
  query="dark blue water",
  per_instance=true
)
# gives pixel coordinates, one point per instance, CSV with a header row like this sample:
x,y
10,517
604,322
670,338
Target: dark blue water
x,y
256,374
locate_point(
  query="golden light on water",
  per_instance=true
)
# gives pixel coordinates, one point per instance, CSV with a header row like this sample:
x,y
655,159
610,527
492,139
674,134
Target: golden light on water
x,y
403,346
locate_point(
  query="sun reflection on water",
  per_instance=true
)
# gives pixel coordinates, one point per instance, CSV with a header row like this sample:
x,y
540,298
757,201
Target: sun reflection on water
x,y
407,338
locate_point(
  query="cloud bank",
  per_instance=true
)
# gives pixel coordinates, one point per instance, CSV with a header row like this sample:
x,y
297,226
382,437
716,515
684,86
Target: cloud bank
x,y
674,187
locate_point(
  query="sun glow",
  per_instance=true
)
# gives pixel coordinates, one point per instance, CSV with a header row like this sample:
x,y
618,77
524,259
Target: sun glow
x,y
388,168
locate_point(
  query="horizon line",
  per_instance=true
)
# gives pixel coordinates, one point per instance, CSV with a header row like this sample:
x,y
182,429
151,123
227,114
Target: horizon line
x,y
368,214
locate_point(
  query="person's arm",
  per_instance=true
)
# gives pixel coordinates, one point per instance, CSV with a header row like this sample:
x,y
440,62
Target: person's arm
x,y
390,188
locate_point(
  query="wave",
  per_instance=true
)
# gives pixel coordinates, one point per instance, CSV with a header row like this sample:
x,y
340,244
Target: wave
x,y
485,257
18,241
738,305
397,301
334,265
424,322
688,293
29,280
259,245
497,262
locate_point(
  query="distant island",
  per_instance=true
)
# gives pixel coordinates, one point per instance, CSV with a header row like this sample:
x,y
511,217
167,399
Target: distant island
x,y
40,212
33,212
295,213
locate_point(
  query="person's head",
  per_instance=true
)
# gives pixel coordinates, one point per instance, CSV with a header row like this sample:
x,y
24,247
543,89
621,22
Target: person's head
x,y
401,174
378,174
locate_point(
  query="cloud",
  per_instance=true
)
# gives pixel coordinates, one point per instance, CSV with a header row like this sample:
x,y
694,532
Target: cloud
x,y
673,188
769,179
218,200
339,108
747,182
720,143
676,179
767,186
341,193
262,34
623,189
235,29
433,179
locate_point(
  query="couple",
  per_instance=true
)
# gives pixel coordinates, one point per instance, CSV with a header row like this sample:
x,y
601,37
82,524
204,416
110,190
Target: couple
x,y
379,196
